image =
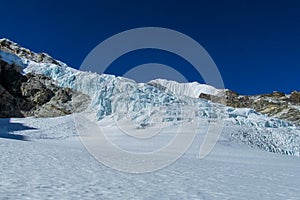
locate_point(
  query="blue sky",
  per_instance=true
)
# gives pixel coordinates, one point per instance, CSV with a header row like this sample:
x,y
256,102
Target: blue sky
x,y
255,44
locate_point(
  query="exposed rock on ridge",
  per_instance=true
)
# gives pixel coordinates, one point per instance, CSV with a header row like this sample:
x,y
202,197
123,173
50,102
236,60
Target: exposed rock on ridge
x,y
277,104
35,95
11,47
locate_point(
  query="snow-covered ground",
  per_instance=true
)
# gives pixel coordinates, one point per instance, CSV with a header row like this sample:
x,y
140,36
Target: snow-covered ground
x,y
57,166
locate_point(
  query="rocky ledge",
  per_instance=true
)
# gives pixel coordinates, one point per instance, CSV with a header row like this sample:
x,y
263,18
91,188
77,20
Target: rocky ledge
x,y
277,104
35,95
13,48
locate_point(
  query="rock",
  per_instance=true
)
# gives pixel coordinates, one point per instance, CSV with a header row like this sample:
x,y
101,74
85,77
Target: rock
x,y
231,94
50,110
157,85
63,96
295,97
43,96
31,86
35,95
8,104
213,98
278,94
11,78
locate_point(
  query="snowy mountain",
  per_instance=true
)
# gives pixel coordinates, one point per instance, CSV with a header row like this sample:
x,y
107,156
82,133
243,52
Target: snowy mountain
x,y
56,165
160,101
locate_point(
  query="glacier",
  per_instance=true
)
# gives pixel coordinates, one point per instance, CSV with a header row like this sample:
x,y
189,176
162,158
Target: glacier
x,y
111,94
142,102
146,105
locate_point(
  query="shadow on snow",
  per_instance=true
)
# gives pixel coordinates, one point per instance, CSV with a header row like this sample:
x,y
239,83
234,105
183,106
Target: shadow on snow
x,y
8,129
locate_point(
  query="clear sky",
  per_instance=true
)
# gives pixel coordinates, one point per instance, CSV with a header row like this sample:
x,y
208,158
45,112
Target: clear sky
x,y
255,44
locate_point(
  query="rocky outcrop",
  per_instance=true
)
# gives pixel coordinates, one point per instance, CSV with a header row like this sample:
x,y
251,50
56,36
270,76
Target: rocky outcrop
x,y
295,97
276,104
35,95
14,48
157,85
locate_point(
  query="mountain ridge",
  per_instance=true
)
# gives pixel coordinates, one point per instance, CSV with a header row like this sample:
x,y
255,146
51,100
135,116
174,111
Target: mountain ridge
x,y
121,100
277,104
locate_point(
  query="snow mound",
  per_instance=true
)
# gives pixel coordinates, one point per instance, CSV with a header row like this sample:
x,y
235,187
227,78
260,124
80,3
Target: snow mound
x,y
193,89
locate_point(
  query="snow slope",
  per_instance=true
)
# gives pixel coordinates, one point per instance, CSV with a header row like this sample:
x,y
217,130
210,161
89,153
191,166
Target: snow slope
x,y
193,89
61,168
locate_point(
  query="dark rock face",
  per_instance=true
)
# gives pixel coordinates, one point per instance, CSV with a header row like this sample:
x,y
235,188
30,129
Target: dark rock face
x,y
35,95
10,80
8,104
277,104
